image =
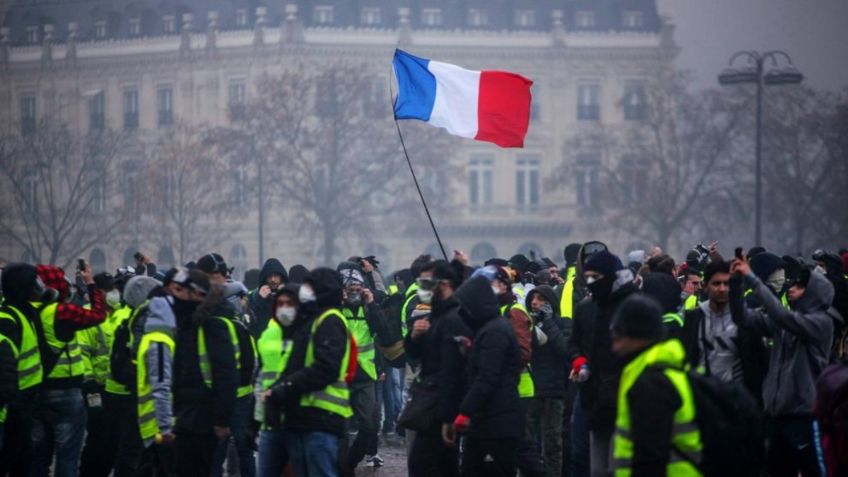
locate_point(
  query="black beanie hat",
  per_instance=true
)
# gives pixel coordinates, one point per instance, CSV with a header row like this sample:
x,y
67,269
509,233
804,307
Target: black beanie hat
x,y
519,262
604,263
764,264
327,285
19,282
639,316
570,253
664,288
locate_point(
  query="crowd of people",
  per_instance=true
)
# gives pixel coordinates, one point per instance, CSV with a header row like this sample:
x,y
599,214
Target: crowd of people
x,y
599,367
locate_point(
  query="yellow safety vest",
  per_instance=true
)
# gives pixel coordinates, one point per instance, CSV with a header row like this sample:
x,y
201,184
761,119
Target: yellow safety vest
x,y
148,426
364,340
686,438
335,397
94,346
274,353
410,293
30,372
691,302
116,319
566,302
526,387
15,354
673,318
69,363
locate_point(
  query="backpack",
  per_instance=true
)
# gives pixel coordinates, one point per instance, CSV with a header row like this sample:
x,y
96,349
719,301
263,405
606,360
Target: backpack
x,y
731,428
127,337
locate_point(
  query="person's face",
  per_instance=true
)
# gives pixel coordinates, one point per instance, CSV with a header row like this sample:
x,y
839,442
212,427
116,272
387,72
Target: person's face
x,y
500,286
428,275
795,293
286,300
592,276
351,290
196,295
217,278
693,284
274,281
717,288
444,290
537,301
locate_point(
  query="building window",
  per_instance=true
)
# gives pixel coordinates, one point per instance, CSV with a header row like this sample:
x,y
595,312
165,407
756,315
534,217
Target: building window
x,y
631,19
480,179
98,202
634,103
130,109
589,102
481,252
32,35
237,99
370,16
131,178
323,14
100,29
586,175
165,102
97,260
525,18
135,27
97,111
584,19
169,24
527,179
167,188
633,176
478,17
431,17
28,121
241,17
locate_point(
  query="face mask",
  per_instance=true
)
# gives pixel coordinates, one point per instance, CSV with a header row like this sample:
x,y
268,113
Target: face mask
x,y
821,270
286,315
591,280
600,288
425,296
113,299
305,295
776,280
354,299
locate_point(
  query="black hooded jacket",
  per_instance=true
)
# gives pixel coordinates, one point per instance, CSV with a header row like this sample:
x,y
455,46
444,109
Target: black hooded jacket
x,y
494,365
261,307
548,364
19,284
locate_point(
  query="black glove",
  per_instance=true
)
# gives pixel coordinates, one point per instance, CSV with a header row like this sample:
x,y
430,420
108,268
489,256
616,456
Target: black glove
x,y
277,398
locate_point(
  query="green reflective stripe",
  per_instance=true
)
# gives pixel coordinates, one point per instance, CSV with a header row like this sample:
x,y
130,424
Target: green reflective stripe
x,y
566,302
30,370
26,354
205,366
145,398
673,318
334,398
69,362
146,418
324,396
243,391
365,348
145,405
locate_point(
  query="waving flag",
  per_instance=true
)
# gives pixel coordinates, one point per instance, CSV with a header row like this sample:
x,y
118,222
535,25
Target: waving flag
x,y
491,106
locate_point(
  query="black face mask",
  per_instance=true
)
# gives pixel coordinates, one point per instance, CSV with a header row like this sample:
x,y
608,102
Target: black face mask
x,y
183,308
601,289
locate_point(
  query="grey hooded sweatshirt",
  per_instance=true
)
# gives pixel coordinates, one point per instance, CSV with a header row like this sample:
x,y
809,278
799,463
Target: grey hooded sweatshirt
x,y
159,360
802,337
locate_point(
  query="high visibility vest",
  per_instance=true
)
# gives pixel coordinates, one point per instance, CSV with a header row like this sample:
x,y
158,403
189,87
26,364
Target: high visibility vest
x,y
94,345
274,353
30,372
335,397
526,387
566,301
148,426
115,320
203,356
364,340
15,354
784,299
685,438
691,302
69,363
673,318
411,293
392,289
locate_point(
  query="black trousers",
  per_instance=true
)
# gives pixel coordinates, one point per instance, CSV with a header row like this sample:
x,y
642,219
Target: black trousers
x,y
430,457
130,445
794,446
490,457
193,453
17,454
363,400
101,440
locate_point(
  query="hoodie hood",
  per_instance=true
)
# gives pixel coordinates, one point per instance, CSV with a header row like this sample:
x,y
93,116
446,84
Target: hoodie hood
x,y
138,289
478,302
818,296
765,263
271,266
20,283
298,274
327,285
547,293
161,316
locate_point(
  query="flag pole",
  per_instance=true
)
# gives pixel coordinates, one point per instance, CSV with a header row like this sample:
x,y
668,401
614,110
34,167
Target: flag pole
x,y
412,171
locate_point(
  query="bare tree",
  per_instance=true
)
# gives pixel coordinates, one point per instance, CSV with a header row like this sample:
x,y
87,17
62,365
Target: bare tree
x,y
334,157
55,185
656,170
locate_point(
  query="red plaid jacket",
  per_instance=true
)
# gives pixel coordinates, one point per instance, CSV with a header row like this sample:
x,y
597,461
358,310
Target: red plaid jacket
x,y
54,277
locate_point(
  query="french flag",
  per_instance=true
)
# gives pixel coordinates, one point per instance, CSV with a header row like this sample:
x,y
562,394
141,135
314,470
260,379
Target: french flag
x,y
491,106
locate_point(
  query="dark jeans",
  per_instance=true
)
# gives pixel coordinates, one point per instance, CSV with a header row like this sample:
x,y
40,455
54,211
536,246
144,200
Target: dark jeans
x,y
273,455
101,440
58,428
312,454
130,445
529,452
794,446
567,409
17,453
391,399
430,457
545,420
193,454
579,440
490,457
364,403
240,438
157,461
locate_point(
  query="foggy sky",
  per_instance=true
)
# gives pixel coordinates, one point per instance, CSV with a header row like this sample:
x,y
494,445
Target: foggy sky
x,y
813,32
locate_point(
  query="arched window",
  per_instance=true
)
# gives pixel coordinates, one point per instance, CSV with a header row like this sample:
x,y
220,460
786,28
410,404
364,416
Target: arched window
x,y
165,258
531,250
129,256
482,252
238,257
381,252
97,260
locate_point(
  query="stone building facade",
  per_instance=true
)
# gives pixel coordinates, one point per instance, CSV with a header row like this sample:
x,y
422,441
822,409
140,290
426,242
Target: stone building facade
x,y
139,65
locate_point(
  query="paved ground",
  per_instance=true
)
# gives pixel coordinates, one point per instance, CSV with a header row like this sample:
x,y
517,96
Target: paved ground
x,y
394,456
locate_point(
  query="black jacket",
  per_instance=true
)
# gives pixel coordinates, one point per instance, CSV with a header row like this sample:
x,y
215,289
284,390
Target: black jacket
x,y
261,307
329,342
590,337
8,374
548,365
196,407
494,365
653,401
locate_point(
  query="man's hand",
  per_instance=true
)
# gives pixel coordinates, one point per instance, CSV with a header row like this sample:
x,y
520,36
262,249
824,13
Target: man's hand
x,y
222,433
264,291
165,439
381,377
419,327
740,268
448,435
367,296
461,256
86,275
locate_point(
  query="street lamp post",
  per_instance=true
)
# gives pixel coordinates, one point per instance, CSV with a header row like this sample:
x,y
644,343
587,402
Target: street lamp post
x,y
755,73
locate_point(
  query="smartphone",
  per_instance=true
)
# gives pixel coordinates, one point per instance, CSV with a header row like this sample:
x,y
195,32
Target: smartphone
x,y
738,253
138,257
80,264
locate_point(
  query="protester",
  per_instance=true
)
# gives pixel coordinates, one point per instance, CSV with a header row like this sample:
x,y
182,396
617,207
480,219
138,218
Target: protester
x,y
271,278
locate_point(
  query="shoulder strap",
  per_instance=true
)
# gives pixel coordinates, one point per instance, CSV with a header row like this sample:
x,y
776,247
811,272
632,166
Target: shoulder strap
x,y
705,344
